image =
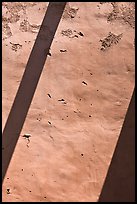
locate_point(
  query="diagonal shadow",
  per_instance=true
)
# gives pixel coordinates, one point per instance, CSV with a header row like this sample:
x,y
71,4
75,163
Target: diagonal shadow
x,y
119,185
29,82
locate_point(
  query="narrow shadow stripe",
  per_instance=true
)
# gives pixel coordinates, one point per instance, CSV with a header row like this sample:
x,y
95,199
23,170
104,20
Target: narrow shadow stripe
x,y
29,82
119,185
